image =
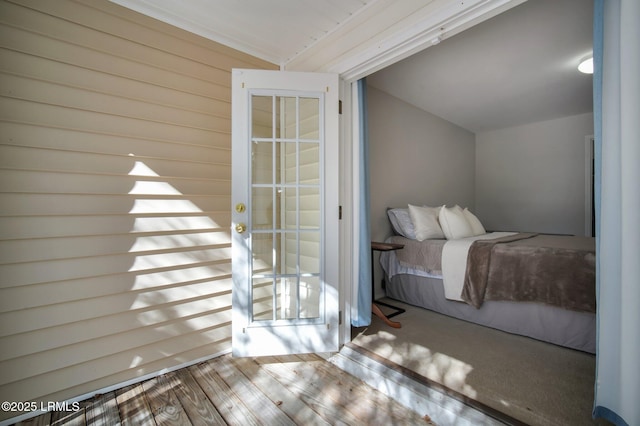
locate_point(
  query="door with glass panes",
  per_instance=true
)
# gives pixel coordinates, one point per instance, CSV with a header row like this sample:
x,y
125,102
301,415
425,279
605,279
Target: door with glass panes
x,y
284,212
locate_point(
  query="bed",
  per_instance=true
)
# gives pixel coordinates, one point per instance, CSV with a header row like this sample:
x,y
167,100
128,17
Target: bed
x,y
536,285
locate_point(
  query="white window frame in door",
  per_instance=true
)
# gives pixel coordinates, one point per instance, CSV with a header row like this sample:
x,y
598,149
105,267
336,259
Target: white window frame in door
x,y
258,338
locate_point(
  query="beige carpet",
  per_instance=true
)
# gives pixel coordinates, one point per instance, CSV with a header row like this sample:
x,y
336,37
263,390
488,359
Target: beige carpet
x,y
531,381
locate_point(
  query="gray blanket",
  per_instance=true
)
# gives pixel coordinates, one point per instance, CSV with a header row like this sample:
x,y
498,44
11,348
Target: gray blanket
x,y
551,269
423,255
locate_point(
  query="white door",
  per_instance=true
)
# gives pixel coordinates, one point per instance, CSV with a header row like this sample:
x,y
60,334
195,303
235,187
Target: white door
x,y
284,212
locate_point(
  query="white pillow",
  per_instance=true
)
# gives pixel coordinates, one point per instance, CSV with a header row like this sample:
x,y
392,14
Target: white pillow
x,y
425,222
401,222
476,225
454,224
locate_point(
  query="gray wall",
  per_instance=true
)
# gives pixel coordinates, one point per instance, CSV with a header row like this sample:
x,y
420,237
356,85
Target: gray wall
x,y
415,157
532,177
525,178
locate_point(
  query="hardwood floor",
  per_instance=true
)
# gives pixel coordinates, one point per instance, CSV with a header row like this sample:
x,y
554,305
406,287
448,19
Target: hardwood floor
x,y
289,390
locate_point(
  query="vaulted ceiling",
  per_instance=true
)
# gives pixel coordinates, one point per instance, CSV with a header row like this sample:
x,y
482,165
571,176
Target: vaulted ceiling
x,y
517,66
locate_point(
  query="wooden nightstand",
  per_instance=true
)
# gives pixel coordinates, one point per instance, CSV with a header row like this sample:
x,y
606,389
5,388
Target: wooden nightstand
x,y
377,246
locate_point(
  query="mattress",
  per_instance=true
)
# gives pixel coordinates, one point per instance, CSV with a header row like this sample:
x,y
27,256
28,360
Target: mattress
x,y
424,287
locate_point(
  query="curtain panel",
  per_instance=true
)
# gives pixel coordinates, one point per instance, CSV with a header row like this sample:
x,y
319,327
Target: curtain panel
x,y
617,154
361,314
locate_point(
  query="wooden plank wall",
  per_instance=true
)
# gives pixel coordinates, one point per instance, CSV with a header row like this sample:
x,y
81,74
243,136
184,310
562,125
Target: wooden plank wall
x,y
115,183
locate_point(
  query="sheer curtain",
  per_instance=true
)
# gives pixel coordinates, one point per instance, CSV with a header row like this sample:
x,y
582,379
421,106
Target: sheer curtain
x,y
361,315
617,153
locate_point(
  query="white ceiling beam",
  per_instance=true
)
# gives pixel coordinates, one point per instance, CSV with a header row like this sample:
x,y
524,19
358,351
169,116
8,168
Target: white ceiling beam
x,y
387,31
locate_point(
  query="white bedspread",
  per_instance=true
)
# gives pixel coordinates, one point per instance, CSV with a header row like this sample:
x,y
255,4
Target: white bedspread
x,y
454,262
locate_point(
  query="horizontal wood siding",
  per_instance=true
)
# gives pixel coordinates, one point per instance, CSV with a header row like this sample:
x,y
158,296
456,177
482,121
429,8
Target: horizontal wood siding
x,y
115,184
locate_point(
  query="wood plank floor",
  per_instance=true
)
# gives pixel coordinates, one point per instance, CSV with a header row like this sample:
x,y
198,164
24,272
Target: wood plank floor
x,y
289,390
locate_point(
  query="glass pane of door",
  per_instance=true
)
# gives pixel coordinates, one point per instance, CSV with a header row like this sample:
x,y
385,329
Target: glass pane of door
x,y
286,206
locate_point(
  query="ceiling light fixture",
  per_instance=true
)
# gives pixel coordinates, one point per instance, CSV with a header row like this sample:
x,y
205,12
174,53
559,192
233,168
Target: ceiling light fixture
x,y
586,65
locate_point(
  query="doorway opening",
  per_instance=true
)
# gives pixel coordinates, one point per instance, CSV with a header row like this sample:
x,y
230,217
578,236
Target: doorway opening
x,y
589,199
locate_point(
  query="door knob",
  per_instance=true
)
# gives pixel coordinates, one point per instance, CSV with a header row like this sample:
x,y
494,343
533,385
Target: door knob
x,y
240,228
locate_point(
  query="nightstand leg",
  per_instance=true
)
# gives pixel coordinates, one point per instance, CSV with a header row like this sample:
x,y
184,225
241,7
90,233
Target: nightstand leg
x,y
376,309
